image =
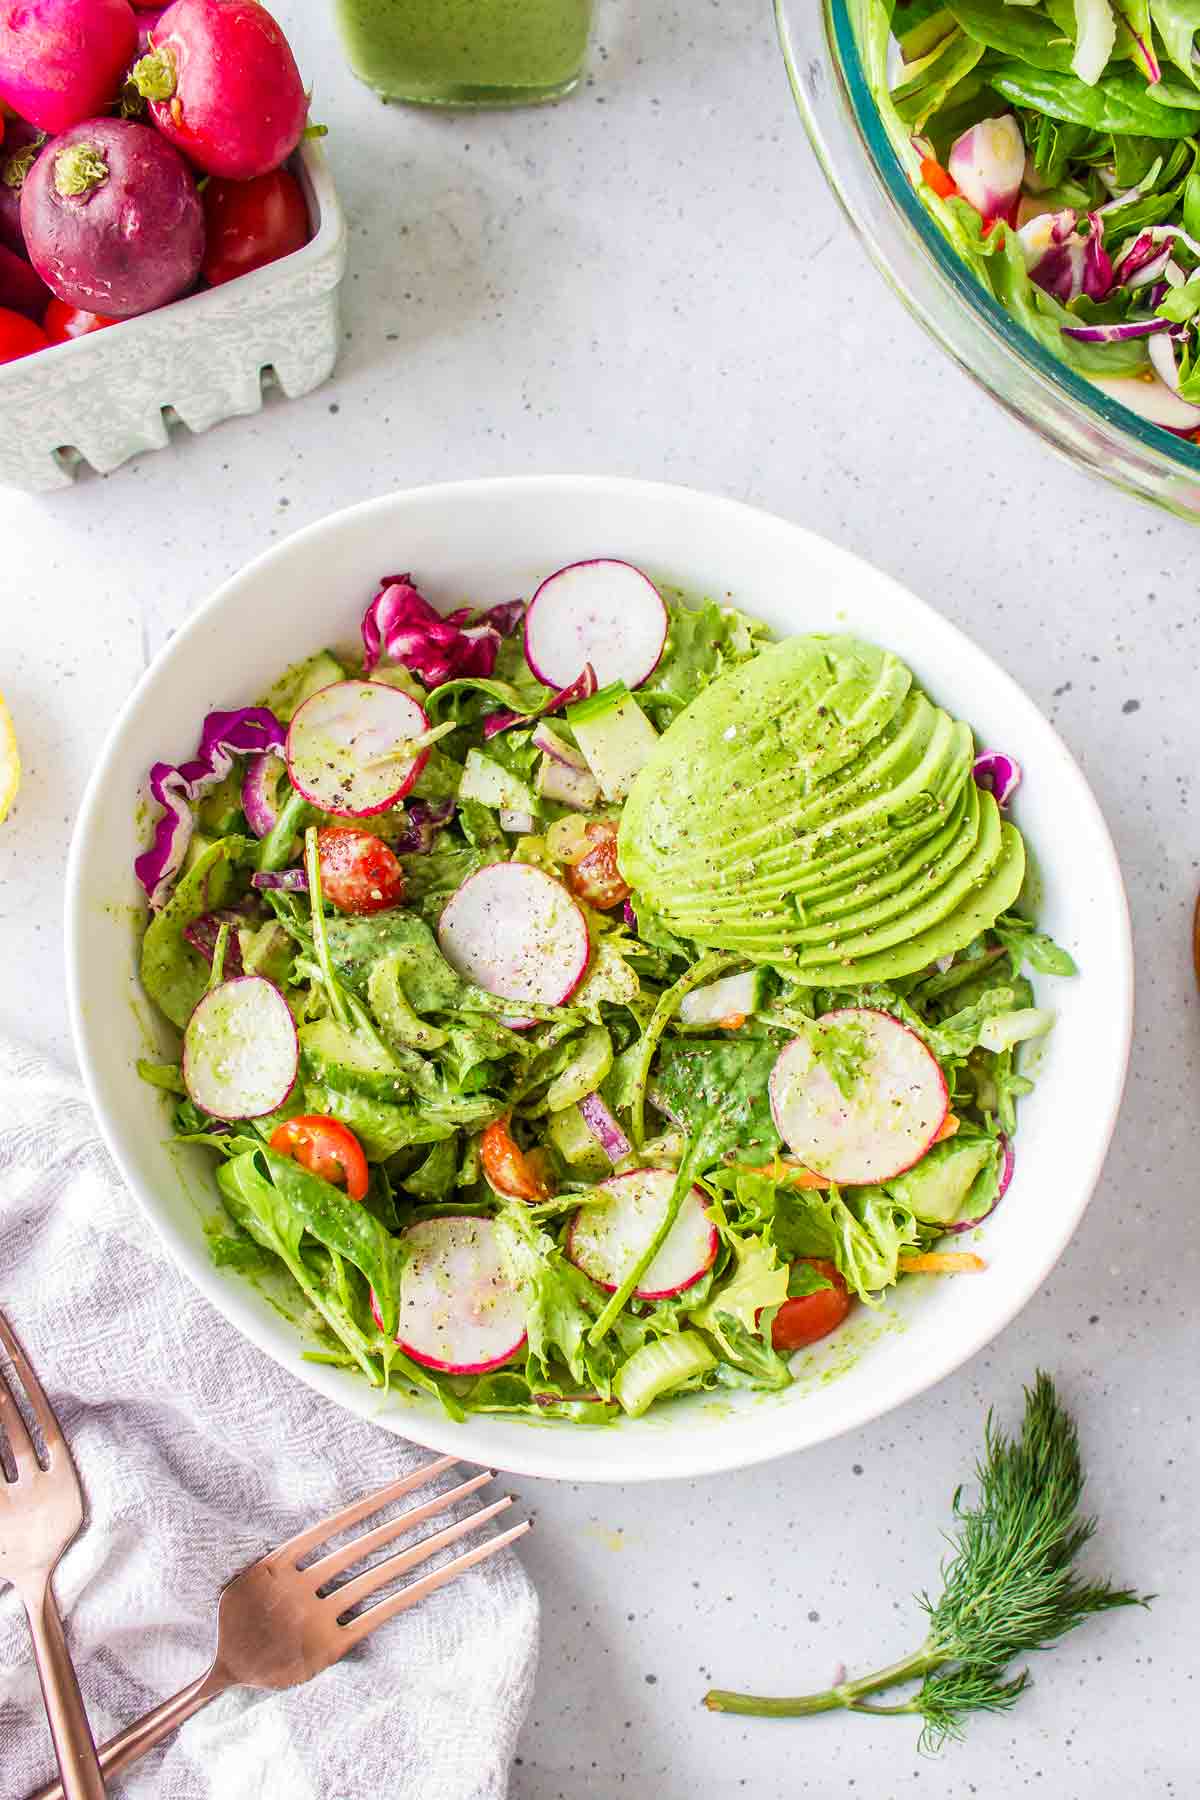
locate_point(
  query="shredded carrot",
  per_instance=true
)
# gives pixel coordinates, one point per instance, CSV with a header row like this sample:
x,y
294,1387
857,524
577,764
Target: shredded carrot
x,y
950,1125
942,1262
732,1021
782,1170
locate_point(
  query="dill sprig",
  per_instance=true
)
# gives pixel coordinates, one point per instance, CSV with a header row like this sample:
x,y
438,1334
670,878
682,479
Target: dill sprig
x,y
1010,1587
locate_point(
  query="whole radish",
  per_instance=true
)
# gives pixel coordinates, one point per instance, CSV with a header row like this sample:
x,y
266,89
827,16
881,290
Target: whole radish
x,y
64,60
112,220
224,87
147,24
18,153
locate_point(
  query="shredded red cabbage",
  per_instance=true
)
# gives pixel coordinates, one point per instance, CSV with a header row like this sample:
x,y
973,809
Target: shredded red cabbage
x,y
402,626
290,881
248,731
999,773
580,689
425,820
203,932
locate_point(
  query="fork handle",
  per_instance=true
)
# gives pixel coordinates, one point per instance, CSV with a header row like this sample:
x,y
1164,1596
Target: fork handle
x,y
73,1742
149,1731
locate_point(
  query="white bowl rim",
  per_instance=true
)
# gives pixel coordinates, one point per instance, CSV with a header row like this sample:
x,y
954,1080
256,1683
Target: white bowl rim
x,y
550,1448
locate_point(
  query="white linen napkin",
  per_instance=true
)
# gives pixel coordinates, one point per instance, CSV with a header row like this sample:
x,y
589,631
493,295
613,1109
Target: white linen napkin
x,y
198,1454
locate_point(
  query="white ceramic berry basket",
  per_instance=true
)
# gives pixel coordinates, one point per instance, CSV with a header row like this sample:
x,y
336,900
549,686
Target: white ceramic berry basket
x,y
104,398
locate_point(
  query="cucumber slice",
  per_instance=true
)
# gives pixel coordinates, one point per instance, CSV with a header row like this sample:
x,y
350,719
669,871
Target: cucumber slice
x,y
733,997
616,737
935,1189
656,1368
567,1132
240,1050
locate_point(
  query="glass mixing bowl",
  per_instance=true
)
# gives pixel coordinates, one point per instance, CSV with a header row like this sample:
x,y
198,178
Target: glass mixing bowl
x,y
905,244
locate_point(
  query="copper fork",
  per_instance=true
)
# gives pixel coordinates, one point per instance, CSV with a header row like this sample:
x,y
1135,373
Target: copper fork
x,y
41,1511
279,1624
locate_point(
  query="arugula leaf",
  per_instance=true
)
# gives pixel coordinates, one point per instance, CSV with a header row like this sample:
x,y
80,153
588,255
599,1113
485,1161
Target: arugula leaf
x,y
1026,944
702,642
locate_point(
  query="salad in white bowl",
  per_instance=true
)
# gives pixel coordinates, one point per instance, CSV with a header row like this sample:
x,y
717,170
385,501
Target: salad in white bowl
x,y
662,1071
592,1000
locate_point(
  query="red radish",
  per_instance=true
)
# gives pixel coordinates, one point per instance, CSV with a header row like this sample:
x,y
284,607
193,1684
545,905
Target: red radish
x,y
459,1309
22,143
21,288
224,87
64,60
605,613
240,1050
349,747
895,1110
147,24
1151,399
112,220
19,336
609,1234
516,932
987,164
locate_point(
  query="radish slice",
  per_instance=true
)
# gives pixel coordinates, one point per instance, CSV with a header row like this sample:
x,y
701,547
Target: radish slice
x,y
608,1235
459,1311
1006,1175
240,1051
349,747
606,613
896,1108
515,931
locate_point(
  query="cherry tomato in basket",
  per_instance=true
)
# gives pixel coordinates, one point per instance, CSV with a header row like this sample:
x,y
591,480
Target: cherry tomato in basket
x,y
811,1316
19,336
324,1147
358,873
62,322
251,223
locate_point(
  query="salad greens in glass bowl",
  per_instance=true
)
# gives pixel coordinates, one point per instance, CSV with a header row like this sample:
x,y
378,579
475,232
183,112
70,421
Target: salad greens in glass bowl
x,y
1026,175
590,1000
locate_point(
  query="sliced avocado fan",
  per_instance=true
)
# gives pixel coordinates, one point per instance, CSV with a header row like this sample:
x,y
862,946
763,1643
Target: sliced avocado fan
x,y
814,808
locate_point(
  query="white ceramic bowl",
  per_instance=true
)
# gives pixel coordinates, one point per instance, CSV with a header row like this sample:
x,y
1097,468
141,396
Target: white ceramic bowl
x,y
483,541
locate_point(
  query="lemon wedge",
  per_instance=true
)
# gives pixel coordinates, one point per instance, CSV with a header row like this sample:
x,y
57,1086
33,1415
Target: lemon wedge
x,y
10,760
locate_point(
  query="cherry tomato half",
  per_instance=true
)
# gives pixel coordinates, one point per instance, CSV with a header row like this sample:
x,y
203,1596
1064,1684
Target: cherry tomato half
x,y
508,1168
812,1316
19,336
62,322
358,873
324,1147
251,223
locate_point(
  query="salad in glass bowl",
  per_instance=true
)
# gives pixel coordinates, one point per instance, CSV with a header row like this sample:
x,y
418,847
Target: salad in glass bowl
x,y
590,1000
1056,146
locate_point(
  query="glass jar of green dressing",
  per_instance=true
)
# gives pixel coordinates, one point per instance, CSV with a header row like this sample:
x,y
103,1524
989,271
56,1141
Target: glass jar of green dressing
x,y
466,52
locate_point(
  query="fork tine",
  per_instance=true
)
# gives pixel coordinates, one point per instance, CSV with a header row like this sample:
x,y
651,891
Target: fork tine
x,y
307,1540
357,1629
14,1428
321,1572
40,1407
363,1586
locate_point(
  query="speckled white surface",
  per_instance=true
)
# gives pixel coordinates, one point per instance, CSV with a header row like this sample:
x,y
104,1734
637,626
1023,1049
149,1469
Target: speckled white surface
x,y
652,279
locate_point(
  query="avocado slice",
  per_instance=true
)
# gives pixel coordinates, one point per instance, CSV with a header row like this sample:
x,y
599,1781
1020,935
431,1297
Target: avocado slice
x,y
814,807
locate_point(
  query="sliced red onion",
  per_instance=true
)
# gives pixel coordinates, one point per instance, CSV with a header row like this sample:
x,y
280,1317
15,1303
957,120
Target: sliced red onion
x,y
987,165
291,881
999,773
579,689
260,793
511,819
203,932
425,819
557,749
247,731
1116,334
1006,1175
629,916
604,1128
402,626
